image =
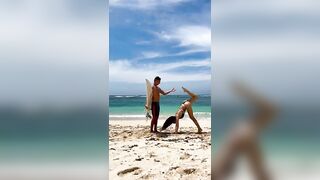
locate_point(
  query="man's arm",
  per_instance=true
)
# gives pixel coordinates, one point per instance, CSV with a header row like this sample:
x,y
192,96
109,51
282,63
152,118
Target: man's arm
x,y
168,92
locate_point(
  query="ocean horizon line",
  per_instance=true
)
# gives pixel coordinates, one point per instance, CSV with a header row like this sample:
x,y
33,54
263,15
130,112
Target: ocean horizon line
x,y
135,95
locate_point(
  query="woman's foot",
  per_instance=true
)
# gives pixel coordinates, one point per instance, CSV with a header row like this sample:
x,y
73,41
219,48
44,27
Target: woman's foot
x,y
184,89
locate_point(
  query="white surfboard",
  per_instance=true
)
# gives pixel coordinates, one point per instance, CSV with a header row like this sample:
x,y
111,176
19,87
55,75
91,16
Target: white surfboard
x,y
148,98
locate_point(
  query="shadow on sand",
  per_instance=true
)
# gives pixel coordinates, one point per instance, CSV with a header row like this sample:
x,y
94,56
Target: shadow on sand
x,y
160,134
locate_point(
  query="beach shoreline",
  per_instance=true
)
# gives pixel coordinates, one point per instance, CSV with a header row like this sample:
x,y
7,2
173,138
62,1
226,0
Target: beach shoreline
x,y
135,153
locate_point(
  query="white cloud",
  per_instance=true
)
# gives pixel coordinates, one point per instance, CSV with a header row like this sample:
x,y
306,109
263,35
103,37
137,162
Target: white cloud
x,y
274,47
150,54
143,42
235,8
265,49
51,52
293,38
144,4
194,37
125,71
48,32
154,55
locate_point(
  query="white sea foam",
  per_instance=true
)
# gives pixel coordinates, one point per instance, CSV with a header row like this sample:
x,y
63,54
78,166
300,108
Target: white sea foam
x,y
128,116
119,96
206,116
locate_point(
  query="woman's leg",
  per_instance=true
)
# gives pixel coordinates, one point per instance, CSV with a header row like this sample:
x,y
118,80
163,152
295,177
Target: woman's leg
x,y
190,112
193,96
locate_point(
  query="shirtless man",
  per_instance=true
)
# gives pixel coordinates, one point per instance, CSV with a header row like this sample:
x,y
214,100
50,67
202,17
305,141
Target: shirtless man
x,y
155,106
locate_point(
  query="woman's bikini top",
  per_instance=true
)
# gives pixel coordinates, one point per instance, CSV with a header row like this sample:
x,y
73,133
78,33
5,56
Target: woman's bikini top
x,y
183,107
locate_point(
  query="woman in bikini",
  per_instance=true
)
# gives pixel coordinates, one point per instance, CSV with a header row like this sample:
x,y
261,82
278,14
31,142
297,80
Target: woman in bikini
x,y
185,106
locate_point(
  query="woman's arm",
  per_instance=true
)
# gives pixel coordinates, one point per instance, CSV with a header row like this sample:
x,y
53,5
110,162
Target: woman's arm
x,y
177,124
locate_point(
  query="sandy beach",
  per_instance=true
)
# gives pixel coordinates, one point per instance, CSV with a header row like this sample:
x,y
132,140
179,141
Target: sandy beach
x,y
135,153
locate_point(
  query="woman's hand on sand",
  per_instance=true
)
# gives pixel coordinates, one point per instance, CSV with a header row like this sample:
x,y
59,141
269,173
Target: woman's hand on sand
x,y
199,131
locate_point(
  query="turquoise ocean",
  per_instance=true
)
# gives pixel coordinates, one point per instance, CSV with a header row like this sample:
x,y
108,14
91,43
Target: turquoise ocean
x,y
132,106
79,134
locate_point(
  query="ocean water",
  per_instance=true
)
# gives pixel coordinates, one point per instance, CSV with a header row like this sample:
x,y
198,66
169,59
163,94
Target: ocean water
x,y
79,134
133,106
290,144
48,134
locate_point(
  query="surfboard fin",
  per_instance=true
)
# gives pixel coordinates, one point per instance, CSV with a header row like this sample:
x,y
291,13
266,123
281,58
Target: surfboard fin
x,y
148,115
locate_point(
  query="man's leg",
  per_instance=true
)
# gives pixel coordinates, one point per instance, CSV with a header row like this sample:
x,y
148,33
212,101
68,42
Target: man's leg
x,y
153,110
157,117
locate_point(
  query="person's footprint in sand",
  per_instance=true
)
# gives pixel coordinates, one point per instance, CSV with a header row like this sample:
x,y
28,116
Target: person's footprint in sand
x,y
135,170
185,156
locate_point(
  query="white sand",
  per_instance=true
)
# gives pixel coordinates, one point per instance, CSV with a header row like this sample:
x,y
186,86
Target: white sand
x,y
135,153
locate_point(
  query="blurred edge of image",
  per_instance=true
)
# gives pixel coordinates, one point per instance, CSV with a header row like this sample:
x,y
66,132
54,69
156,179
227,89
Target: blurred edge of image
x,y
53,101
270,48
54,82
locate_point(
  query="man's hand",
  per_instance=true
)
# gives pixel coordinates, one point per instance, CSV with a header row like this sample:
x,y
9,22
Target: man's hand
x,y
168,92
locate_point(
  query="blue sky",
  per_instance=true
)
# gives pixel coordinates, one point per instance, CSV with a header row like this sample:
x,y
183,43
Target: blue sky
x,y
56,51
169,38
270,44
